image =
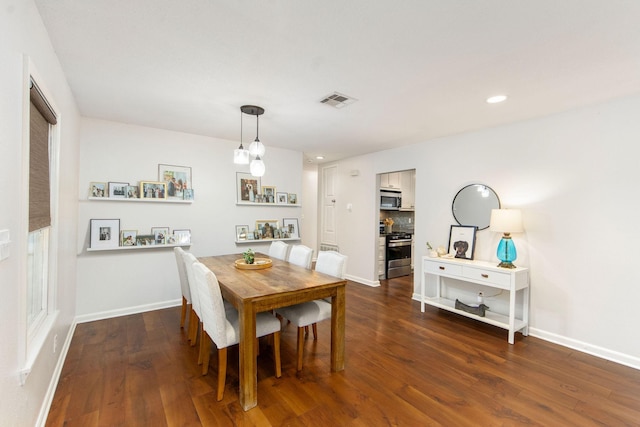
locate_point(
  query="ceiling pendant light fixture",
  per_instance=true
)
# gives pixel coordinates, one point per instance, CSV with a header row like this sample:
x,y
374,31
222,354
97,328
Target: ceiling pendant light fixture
x,y
240,154
256,149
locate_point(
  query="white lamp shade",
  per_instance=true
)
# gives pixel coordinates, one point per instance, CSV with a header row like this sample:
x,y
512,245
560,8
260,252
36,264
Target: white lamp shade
x,y
257,167
256,149
241,156
506,221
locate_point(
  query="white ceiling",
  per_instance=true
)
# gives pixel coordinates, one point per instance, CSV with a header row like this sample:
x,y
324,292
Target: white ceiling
x,y
420,69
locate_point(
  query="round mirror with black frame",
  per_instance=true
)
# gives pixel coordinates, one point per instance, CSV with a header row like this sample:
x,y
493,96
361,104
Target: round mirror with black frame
x,y
472,205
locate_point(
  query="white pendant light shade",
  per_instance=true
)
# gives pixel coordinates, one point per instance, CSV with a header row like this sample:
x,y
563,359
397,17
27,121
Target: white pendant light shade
x,y
257,167
241,156
256,149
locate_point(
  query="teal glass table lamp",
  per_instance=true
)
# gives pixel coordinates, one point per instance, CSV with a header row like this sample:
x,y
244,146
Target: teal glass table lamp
x,y
506,221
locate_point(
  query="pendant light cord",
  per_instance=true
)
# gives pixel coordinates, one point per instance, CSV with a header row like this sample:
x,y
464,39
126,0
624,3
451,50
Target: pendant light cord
x,y
257,128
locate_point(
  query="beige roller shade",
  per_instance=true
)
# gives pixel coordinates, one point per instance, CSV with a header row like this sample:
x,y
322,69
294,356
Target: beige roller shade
x,y
41,116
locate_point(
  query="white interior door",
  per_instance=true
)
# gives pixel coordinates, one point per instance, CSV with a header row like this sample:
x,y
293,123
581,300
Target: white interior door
x,y
329,234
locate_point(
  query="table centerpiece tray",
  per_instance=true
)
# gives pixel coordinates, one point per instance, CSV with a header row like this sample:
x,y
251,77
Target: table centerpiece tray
x,y
258,264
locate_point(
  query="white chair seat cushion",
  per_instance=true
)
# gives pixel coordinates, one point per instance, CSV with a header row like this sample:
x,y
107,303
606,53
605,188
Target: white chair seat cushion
x,y
266,324
306,313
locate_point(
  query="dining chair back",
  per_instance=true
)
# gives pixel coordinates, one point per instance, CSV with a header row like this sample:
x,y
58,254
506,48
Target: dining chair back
x,y
301,255
332,263
221,325
214,319
184,285
278,250
196,318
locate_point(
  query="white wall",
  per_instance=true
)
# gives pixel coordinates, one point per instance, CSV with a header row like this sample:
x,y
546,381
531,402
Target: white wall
x,y
114,283
22,33
574,177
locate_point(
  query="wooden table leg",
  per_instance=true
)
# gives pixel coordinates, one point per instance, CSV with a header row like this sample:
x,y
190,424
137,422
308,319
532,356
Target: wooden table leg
x,y
248,369
337,329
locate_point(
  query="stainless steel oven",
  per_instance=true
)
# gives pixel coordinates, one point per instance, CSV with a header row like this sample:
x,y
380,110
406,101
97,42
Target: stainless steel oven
x,y
398,251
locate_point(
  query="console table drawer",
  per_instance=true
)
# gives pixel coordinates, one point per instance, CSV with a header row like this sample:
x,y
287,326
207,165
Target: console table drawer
x,y
443,268
492,278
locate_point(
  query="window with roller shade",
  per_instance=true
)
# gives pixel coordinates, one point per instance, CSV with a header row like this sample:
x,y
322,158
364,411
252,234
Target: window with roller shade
x,y
41,120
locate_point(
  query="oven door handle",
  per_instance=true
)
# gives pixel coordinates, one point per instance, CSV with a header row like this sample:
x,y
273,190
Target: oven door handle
x,y
399,243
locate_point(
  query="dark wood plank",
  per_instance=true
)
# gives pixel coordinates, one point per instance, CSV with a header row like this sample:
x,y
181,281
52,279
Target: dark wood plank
x,y
402,367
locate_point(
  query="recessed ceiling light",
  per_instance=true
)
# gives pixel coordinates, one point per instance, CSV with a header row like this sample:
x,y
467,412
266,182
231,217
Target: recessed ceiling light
x,y
496,99
319,157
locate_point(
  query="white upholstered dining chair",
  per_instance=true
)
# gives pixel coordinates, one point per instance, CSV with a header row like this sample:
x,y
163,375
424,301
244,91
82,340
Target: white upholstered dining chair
x,y
278,250
222,326
195,322
309,313
300,255
184,286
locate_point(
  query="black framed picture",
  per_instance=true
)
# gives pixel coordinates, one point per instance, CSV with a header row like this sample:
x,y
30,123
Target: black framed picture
x,y
462,241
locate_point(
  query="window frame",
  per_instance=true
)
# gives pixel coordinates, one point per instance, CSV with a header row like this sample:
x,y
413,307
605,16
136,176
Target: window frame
x,y
32,337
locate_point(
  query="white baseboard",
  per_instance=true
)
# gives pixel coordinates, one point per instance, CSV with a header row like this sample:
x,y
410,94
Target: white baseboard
x,y
601,352
55,378
372,283
127,311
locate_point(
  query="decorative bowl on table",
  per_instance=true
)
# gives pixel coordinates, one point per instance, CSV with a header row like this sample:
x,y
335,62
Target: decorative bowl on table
x,y
258,264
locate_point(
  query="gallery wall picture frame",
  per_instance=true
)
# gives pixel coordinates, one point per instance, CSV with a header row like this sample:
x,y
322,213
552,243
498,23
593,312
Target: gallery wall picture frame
x,y
293,198
282,198
269,194
160,235
291,227
132,192
145,240
266,228
248,187
98,189
177,178
104,233
242,232
118,190
462,241
153,190
128,237
182,236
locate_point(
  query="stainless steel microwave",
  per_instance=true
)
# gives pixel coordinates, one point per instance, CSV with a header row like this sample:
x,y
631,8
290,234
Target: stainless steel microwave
x,y
390,200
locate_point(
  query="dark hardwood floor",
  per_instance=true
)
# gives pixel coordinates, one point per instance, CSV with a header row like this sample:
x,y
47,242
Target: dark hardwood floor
x,y
403,368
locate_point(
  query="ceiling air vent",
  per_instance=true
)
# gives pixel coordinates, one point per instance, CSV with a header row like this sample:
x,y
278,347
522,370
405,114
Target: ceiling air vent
x,y
337,100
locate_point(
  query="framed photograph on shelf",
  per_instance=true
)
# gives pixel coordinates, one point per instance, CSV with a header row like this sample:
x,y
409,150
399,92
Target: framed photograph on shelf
x,y
132,192
290,225
145,240
242,232
153,190
247,187
266,228
462,241
293,199
269,194
160,235
282,198
177,178
128,237
182,236
187,194
118,190
105,233
98,189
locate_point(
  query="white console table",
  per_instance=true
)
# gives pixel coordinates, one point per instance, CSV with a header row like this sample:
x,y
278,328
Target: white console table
x,y
486,274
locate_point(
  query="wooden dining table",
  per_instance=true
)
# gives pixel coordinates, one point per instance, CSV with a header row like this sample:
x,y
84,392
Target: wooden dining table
x,y
281,285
